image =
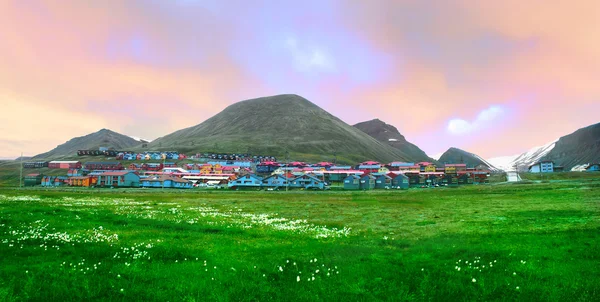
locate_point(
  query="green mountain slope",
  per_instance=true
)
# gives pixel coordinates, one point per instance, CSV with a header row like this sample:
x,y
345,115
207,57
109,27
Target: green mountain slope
x,y
276,125
93,141
458,156
389,135
579,147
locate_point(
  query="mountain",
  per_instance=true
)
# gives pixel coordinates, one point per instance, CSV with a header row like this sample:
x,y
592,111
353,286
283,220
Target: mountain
x,y
458,156
275,125
103,138
575,150
524,160
579,147
389,135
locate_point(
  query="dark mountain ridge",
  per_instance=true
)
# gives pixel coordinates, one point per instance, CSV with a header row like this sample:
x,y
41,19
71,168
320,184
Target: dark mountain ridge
x,y
103,138
280,125
390,135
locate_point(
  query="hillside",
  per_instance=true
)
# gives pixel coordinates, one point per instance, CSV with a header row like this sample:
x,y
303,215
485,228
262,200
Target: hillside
x,y
389,135
458,156
524,160
103,138
276,124
579,147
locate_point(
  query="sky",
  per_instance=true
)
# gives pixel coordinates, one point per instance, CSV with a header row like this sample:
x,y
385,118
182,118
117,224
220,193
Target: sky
x,y
491,77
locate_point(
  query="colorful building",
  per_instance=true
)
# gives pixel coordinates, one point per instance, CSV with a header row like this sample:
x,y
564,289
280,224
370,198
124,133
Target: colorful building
x,y
119,179
33,179
352,182
367,182
83,181
382,181
60,164
399,181
246,181
542,167
103,166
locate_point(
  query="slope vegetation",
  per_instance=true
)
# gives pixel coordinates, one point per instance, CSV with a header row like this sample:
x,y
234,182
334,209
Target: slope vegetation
x,y
103,138
389,135
458,156
279,125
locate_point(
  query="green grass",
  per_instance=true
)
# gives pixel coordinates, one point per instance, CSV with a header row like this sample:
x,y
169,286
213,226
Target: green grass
x,y
403,245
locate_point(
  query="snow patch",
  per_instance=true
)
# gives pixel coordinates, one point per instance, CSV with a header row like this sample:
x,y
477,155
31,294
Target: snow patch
x,y
142,140
524,160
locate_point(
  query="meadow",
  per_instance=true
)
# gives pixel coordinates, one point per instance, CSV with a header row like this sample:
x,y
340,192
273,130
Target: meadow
x,y
535,241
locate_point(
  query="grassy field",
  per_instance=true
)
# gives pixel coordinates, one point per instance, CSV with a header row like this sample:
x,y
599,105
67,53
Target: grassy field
x,y
529,242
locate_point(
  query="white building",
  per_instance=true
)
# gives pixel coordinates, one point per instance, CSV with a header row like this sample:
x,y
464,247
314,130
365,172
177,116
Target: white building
x,y
542,167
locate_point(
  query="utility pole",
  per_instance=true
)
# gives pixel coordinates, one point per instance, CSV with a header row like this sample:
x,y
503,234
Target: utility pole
x,y
163,173
21,173
287,181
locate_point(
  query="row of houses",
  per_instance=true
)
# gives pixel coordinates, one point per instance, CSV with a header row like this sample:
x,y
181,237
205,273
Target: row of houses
x,y
236,156
550,167
277,182
113,179
151,155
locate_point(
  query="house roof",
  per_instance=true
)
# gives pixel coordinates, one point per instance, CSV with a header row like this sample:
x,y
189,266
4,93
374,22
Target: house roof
x,y
394,175
401,164
116,173
455,165
102,163
171,178
275,176
269,163
370,162
64,162
424,163
308,176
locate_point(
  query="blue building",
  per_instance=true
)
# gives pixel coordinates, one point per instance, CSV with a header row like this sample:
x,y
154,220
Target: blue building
x,y
275,181
352,182
400,181
542,167
382,181
367,182
308,182
593,168
165,181
246,181
119,179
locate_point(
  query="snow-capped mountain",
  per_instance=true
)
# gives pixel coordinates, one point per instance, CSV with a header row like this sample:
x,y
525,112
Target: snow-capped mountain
x,y
141,140
522,161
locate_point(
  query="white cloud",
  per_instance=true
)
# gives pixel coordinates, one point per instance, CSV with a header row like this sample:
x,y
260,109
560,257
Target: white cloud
x,y
309,58
460,126
490,114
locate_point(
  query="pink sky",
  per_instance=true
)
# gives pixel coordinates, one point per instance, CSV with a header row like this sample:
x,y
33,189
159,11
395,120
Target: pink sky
x,y
491,77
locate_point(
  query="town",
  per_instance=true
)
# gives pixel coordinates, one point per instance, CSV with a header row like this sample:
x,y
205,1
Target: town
x,y
244,171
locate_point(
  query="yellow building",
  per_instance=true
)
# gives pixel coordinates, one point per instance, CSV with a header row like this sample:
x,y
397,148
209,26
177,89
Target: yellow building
x,y
430,168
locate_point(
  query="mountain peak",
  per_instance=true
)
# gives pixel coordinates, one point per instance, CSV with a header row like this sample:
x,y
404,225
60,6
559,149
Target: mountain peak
x,y
390,135
274,125
455,155
101,138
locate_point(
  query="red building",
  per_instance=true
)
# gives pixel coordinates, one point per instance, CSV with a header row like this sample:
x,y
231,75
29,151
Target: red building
x,y
58,164
104,166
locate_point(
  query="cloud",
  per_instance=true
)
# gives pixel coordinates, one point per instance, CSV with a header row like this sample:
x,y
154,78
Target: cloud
x,y
487,116
309,58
